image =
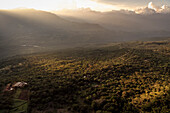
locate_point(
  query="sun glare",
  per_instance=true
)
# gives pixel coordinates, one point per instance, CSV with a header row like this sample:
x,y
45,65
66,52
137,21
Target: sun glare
x,y
95,6
55,4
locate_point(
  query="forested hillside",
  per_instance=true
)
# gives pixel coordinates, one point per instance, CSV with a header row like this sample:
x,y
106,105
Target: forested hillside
x,y
127,77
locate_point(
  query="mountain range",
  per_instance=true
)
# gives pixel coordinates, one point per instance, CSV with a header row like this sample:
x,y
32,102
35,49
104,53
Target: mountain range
x,y
25,31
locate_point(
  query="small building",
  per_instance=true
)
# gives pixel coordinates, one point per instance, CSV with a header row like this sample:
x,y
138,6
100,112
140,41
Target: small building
x,y
10,87
19,84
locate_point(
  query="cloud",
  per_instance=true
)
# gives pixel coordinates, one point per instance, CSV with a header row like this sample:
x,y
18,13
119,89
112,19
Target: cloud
x,y
165,9
118,2
145,10
151,8
131,3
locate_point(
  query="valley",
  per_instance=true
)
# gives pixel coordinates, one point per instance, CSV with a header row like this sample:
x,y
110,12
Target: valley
x,y
114,77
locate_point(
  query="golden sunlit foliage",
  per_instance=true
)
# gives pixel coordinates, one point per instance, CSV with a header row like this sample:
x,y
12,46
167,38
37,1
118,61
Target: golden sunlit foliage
x,y
125,77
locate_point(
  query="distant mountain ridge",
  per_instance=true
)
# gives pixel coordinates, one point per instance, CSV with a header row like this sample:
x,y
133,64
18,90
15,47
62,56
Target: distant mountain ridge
x,y
28,31
120,20
44,29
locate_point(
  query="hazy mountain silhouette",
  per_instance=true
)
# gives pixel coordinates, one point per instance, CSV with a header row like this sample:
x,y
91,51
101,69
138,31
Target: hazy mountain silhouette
x,y
28,30
44,25
121,20
23,29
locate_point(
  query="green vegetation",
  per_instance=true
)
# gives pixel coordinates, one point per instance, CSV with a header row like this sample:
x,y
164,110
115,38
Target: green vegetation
x,y
17,93
115,78
19,106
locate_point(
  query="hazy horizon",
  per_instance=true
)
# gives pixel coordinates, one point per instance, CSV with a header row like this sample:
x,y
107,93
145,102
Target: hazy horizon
x,y
97,5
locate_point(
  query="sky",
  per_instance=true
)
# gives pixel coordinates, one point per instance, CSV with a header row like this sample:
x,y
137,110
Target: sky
x,y
99,5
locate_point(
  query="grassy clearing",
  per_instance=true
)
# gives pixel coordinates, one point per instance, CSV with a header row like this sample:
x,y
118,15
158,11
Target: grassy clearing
x,y
19,106
17,93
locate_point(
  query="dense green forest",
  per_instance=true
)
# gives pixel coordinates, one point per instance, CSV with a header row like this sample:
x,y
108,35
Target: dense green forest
x,y
126,77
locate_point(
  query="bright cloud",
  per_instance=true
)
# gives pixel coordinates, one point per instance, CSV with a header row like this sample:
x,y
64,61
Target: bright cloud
x,y
152,8
132,3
